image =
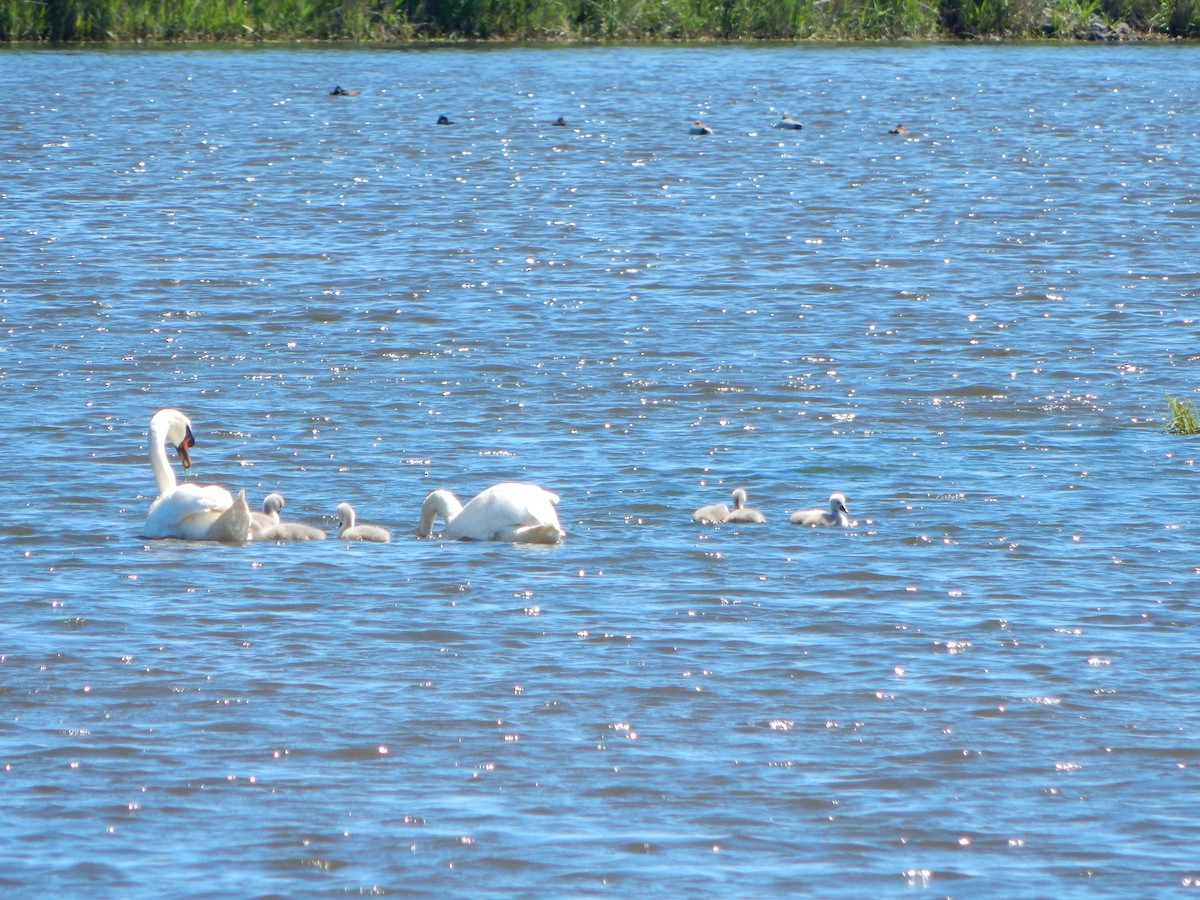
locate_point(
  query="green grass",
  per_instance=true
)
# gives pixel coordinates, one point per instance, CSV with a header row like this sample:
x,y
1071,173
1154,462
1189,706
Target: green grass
x,y
1184,418
75,21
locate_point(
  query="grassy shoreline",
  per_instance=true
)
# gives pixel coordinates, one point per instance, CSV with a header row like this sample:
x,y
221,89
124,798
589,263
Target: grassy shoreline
x,y
590,21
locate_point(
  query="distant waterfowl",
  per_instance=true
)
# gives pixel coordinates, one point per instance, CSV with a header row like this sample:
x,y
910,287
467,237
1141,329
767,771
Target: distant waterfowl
x,y
510,511
899,129
268,527
700,128
442,120
189,511
741,512
837,516
340,91
560,121
349,531
787,123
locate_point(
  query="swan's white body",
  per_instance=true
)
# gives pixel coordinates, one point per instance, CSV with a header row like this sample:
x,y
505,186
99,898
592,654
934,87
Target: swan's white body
x,y
267,525
511,511
349,531
742,513
787,123
190,511
837,516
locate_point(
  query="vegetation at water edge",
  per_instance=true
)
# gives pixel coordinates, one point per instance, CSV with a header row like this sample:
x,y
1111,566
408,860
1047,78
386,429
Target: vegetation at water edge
x,y
590,20
1184,418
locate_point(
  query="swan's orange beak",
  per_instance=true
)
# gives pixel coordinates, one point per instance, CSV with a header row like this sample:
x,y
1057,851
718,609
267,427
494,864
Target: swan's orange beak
x,y
182,449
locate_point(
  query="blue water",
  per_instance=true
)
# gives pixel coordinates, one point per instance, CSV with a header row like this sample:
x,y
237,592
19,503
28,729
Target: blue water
x,y
987,688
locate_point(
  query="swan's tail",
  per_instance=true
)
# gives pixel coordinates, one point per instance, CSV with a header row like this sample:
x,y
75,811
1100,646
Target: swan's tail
x,y
233,525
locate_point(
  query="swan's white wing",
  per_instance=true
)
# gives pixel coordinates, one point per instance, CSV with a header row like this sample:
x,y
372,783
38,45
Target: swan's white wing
x,y
545,533
187,512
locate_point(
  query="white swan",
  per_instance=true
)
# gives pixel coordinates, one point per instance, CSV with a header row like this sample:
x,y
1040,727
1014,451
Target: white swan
x,y
268,527
836,516
510,511
349,531
787,123
743,513
190,511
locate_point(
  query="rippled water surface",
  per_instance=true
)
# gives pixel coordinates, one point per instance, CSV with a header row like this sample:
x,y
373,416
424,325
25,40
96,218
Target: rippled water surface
x,y
987,688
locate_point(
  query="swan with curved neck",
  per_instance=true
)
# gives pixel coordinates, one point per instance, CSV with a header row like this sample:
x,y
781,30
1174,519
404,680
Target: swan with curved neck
x,y
837,516
511,511
189,511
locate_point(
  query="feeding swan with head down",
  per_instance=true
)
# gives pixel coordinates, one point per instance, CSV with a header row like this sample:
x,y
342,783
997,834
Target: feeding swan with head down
x,y
511,511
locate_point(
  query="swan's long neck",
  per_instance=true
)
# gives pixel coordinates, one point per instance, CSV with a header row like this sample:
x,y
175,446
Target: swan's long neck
x,y
164,475
439,503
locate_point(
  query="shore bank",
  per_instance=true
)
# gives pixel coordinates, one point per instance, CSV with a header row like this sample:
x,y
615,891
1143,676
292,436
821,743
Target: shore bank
x,y
591,21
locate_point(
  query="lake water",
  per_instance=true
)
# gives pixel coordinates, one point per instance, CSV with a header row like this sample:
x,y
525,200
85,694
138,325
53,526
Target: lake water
x,y
987,688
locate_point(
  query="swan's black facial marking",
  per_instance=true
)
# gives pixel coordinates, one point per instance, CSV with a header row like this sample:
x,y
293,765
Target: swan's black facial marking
x,y
183,446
